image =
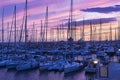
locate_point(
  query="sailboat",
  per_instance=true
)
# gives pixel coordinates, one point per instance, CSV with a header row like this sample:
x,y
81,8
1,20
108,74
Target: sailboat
x,y
3,61
70,66
14,60
30,63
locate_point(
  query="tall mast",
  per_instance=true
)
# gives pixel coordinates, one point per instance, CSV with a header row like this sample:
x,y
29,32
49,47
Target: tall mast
x,y
41,34
71,17
21,31
8,31
15,27
2,30
26,33
100,33
63,32
118,31
80,32
36,36
57,33
75,30
95,37
115,35
69,31
83,34
110,35
46,21
90,31
33,32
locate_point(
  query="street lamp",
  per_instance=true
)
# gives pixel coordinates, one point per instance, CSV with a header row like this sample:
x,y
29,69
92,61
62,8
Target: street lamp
x,y
118,49
95,62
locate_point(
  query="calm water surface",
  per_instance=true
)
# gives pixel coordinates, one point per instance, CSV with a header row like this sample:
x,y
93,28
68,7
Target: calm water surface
x,y
36,74
39,75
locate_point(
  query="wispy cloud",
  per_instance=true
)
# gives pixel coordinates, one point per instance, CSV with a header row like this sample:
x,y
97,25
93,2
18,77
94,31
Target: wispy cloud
x,y
93,21
11,2
109,9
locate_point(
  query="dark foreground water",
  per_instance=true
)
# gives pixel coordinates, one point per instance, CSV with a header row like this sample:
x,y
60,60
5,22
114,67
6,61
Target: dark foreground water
x,y
39,75
36,74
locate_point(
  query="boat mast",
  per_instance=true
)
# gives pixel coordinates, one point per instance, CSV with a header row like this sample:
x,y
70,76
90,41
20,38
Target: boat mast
x,y
8,32
100,32
63,31
26,33
60,31
15,27
75,30
118,30
41,35
2,30
110,35
83,30
36,35
90,31
95,34
71,18
115,35
21,31
57,34
69,31
33,33
46,22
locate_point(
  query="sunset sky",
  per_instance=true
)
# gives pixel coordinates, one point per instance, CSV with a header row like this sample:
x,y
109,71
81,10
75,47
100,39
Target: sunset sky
x,y
92,10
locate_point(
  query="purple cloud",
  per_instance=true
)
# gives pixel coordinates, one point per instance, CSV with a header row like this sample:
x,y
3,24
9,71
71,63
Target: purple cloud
x,y
93,21
87,22
109,9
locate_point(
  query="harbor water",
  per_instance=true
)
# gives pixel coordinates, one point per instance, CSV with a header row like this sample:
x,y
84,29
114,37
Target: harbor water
x,y
36,74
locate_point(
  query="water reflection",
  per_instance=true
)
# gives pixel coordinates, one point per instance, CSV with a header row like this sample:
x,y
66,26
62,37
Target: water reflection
x,y
40,75
36,74
90,76
75,76
57,76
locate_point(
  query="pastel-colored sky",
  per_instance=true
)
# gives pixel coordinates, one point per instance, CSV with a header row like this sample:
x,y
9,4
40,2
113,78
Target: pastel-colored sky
x,y
59,11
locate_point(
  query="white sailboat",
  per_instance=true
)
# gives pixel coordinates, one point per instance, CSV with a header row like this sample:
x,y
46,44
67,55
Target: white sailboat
x,y
30,64
73,66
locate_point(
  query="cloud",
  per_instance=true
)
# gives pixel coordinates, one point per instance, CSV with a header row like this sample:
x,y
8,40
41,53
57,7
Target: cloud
x,y
93,21
12,2
109,9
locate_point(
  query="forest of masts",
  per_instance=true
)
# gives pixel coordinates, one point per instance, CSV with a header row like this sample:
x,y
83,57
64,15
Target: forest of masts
x,y
13,33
